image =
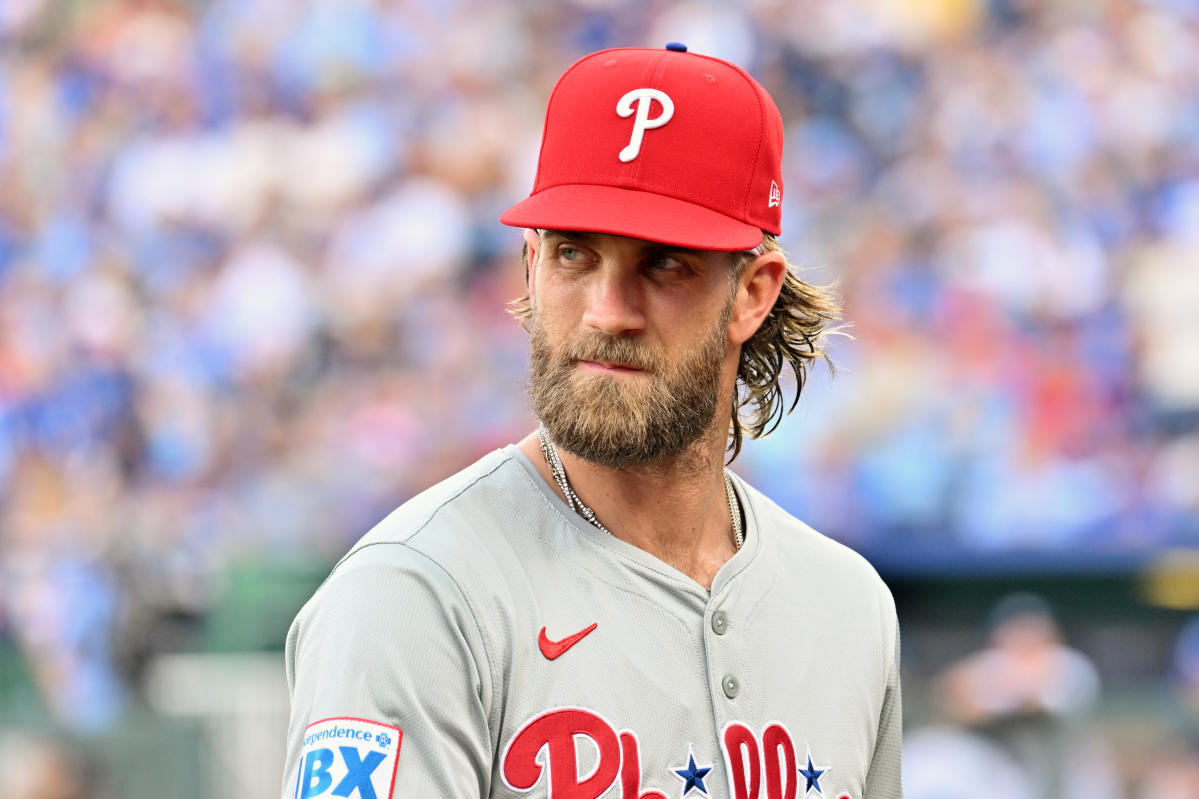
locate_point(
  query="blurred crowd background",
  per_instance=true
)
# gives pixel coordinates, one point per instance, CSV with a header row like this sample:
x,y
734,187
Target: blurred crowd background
x,y
252,297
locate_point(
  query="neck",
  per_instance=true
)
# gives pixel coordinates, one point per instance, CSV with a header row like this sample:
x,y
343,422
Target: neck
x,y
676,509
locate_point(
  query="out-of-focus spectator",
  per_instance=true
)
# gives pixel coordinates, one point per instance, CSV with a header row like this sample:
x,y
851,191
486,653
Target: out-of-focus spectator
x,y
1025,672
1029,693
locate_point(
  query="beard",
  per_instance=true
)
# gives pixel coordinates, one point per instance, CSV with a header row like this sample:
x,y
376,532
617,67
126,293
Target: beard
x,y
617,421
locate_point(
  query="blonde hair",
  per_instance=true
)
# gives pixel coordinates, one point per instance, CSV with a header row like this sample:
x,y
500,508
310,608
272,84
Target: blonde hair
x,y
792,335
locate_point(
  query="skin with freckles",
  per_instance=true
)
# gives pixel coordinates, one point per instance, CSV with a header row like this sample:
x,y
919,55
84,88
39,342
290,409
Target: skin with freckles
x,y
635,347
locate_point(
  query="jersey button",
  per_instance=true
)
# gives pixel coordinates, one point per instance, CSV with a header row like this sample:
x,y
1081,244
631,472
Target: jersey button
x,y
731,686
720,622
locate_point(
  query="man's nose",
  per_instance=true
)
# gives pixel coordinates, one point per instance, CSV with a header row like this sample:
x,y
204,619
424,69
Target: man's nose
x,y
614,301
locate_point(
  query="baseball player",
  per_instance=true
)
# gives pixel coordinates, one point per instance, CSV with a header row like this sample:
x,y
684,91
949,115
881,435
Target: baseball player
x,y
602,609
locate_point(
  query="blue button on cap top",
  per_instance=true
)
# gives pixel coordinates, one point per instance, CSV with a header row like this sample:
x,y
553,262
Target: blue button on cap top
x,y
678,47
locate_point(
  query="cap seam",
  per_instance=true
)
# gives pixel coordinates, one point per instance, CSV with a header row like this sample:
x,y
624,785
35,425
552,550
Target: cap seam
x,y
745,210
631,172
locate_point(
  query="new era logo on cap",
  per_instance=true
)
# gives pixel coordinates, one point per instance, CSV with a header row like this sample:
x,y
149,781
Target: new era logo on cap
x,y
663,145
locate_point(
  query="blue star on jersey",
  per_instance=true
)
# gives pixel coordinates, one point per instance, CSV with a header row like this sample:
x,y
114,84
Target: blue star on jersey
x,y
812,775
693,776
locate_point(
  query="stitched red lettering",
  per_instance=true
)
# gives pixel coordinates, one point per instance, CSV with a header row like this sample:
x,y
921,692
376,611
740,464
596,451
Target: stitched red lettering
x,y
782,779
744,762
555,731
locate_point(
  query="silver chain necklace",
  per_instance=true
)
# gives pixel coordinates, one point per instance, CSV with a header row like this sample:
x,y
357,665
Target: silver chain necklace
x,y
578,506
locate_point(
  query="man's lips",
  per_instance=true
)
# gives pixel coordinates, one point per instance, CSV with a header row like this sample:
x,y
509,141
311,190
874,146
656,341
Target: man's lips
x,y
609,368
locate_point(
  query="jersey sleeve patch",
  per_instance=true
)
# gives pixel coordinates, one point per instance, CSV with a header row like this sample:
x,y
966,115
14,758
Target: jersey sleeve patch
x,y
344,755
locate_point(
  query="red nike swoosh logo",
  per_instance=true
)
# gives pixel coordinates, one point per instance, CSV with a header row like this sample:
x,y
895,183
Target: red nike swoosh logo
x,y
554,649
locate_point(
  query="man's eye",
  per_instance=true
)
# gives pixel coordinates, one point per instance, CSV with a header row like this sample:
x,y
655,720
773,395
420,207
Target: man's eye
x,y
665,263
567,253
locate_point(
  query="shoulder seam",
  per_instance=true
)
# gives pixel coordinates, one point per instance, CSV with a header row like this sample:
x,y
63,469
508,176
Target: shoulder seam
x,y
474,614
420,527
474,617
471,606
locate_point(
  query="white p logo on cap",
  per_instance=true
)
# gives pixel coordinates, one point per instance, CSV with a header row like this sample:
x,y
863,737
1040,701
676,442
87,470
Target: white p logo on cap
x,y
643,98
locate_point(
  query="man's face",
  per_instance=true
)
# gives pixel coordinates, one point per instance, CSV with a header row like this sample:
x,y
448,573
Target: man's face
x,y
628,342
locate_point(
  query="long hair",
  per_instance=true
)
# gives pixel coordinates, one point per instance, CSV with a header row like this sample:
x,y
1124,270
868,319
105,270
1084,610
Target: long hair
x,y
792,335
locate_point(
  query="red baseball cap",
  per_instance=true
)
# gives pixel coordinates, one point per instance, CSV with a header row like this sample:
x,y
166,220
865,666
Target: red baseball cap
x,y
662,145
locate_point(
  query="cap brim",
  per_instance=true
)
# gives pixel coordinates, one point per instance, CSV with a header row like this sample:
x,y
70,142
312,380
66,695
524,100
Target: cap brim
x,y
632,213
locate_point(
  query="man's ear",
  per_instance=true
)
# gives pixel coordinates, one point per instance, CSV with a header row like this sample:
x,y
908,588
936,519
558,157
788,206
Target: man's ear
x,y
532,242
757,289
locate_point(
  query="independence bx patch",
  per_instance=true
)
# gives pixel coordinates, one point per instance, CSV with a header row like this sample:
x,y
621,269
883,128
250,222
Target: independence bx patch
x,y
346,755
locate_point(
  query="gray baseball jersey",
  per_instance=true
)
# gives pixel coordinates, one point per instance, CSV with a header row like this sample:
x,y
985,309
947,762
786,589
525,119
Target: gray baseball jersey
x,y
485,641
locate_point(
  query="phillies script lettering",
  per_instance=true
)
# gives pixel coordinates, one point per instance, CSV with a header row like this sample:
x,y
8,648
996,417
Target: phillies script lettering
x,y
755,763
642,99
